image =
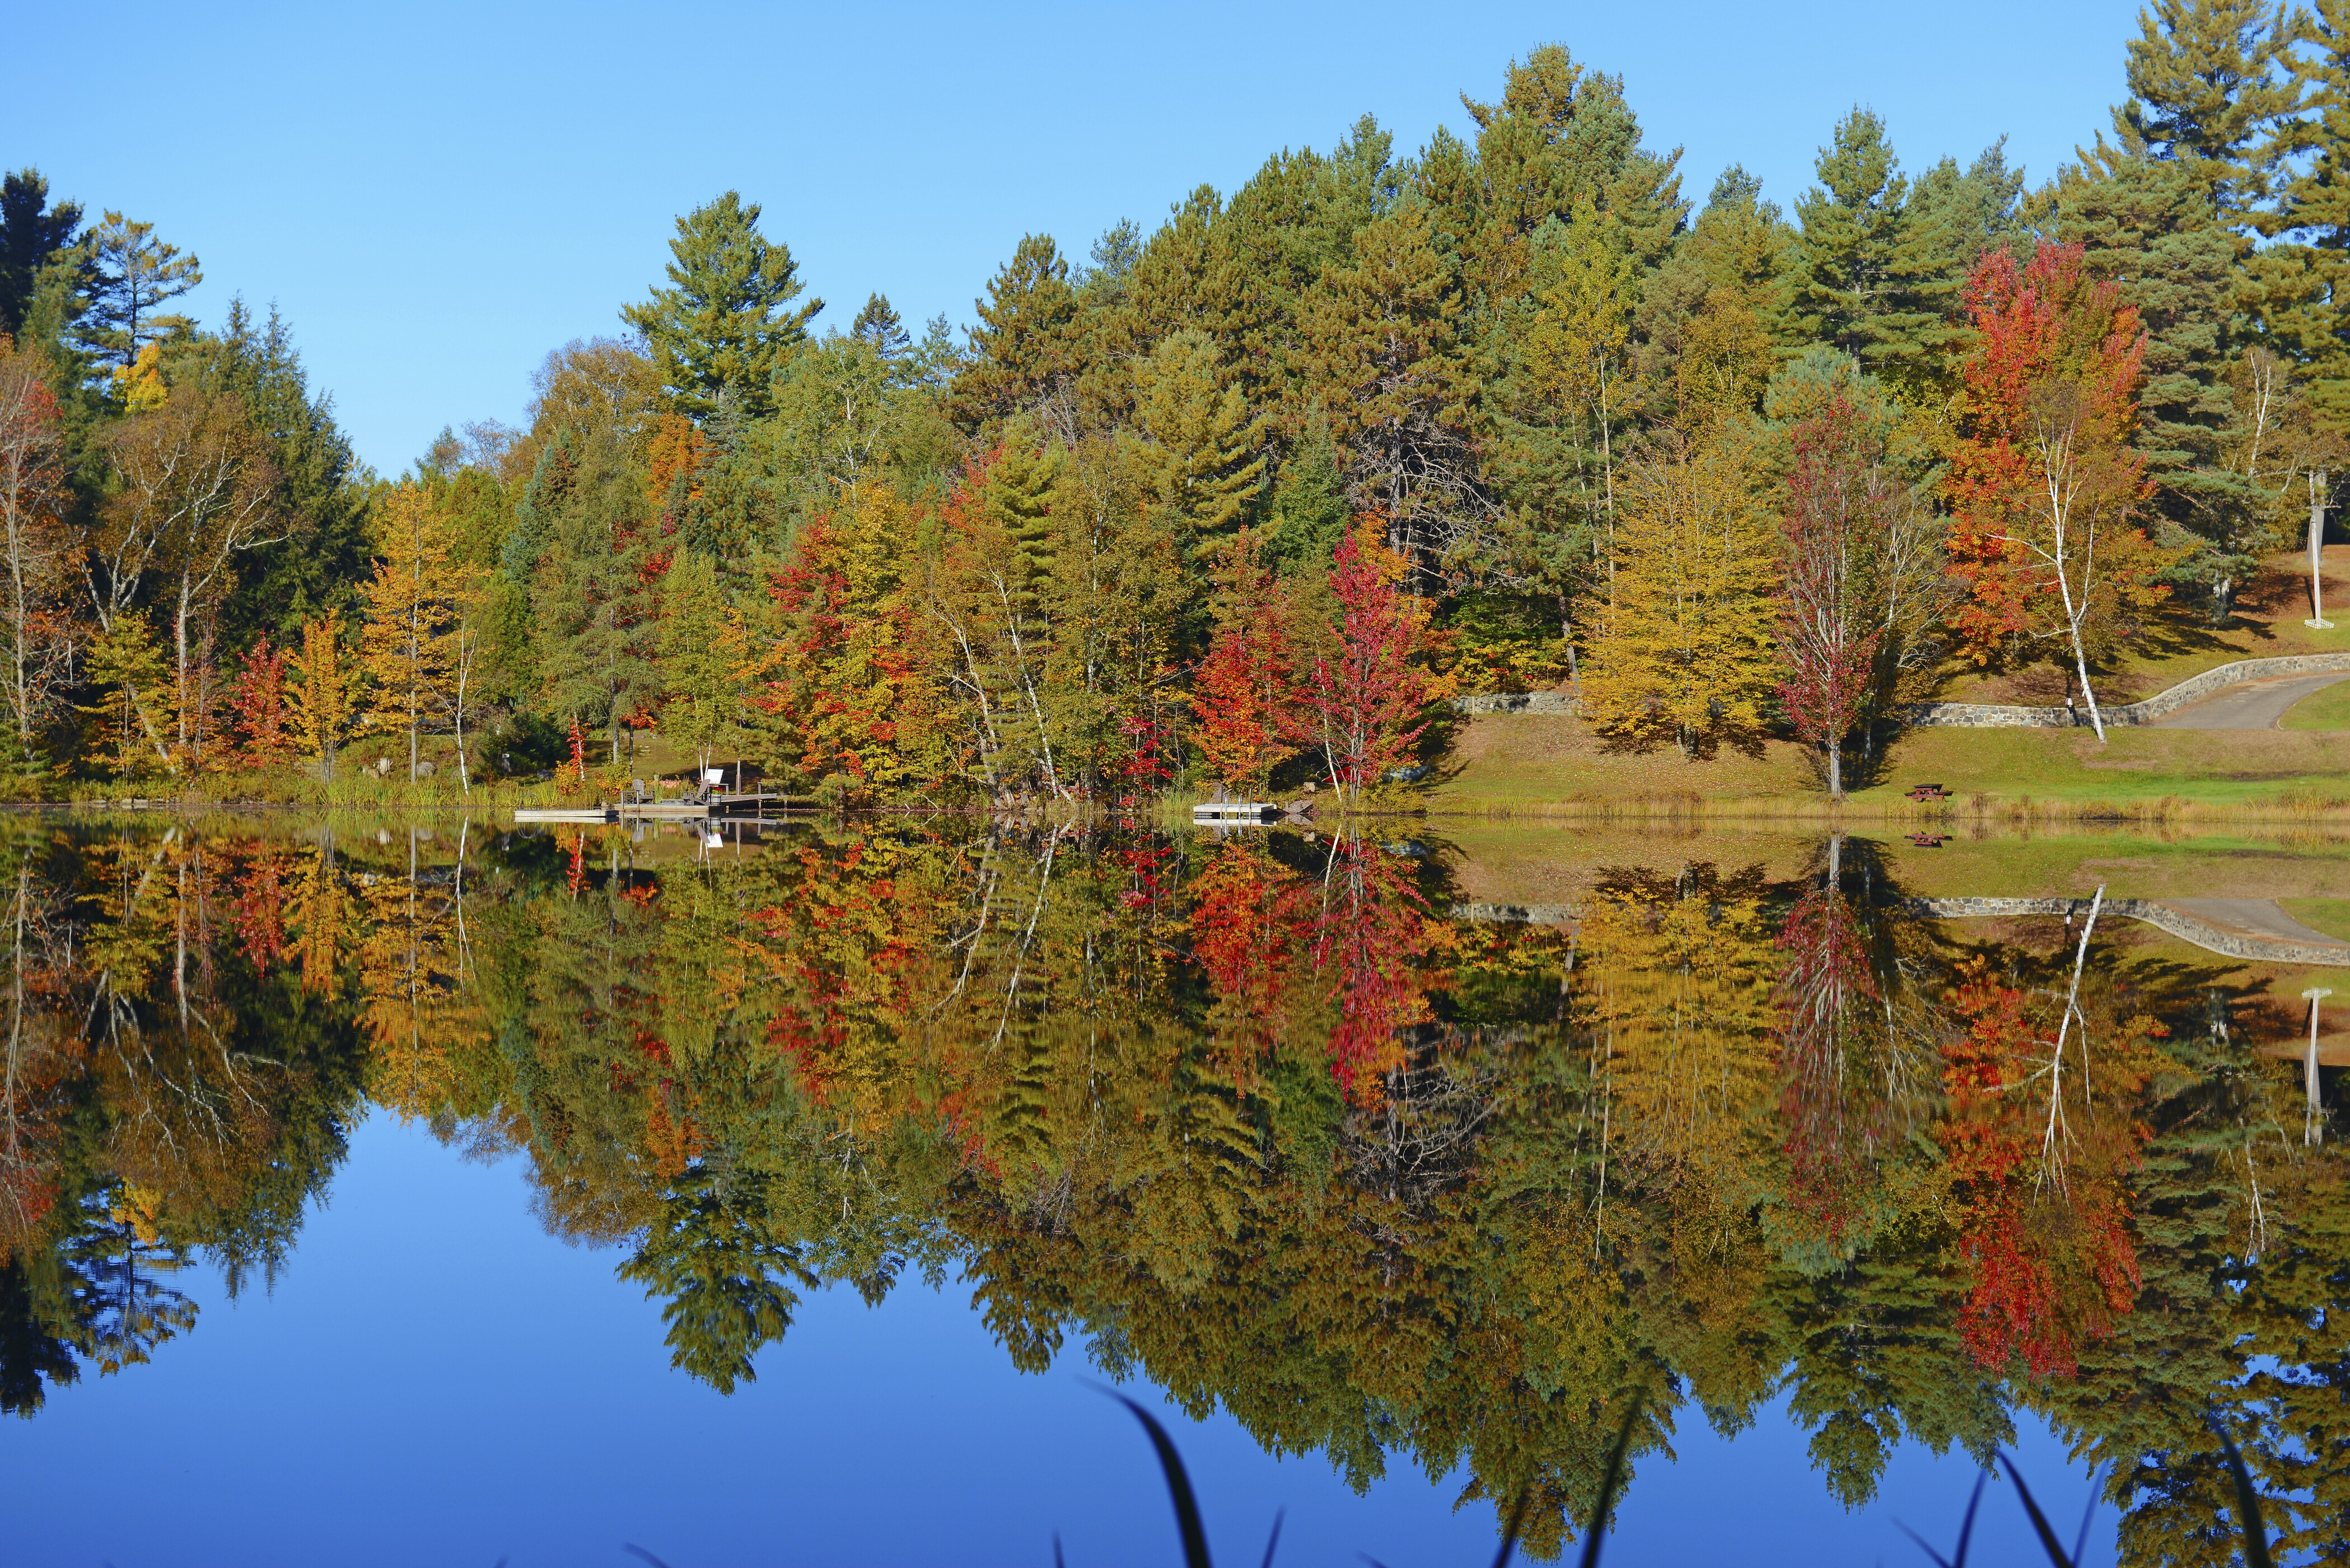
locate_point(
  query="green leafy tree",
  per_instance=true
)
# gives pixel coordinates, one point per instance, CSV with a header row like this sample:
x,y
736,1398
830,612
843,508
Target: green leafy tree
x,y
726,321
698,667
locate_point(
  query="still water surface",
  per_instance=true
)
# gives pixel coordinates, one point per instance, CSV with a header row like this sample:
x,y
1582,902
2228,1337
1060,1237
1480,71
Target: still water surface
x,y
391,1196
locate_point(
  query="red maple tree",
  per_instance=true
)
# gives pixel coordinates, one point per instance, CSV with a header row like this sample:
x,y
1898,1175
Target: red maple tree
x,y
1361,704
1241,686
264,725
1838,504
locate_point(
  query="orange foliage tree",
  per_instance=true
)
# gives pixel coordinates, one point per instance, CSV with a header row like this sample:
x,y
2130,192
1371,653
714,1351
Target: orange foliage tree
x,y
2044,483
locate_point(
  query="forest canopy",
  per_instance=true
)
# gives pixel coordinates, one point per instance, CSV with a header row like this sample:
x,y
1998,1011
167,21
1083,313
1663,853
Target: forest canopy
x,y
1239,501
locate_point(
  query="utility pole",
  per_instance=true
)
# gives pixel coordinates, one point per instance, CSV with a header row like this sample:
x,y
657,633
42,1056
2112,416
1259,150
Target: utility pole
x,y
2318,553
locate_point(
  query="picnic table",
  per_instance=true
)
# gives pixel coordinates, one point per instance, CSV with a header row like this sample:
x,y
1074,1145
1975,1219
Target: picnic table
x,y
1929,792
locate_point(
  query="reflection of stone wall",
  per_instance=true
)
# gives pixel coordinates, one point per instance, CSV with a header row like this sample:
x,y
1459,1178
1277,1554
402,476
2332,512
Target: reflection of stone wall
x,y
1519,914
2185,926
1998,716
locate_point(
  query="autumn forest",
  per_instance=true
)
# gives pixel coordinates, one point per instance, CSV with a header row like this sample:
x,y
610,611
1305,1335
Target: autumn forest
x,y
1408,1135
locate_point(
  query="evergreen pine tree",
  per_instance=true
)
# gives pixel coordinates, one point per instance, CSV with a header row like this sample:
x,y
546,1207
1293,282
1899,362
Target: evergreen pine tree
x,y
1026,342
512,652
31,233
319,476
2212,89
132,274
726,320
1871,280
878,325
2305,285
1210,448
592,596
2148,225
1309,501
698,659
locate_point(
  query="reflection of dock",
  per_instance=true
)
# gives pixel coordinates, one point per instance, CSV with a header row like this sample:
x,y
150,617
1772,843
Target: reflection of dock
x,y
749,807
1220,813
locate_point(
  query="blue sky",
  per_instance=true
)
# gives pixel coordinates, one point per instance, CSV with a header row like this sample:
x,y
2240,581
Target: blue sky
x,y
436,195
437,1380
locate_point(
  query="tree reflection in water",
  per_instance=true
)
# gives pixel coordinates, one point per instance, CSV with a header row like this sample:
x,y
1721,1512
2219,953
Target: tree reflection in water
x,y
1259,1118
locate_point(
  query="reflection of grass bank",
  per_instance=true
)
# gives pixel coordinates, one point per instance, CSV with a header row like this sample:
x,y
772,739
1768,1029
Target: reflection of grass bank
x,y
1536,765
1530,861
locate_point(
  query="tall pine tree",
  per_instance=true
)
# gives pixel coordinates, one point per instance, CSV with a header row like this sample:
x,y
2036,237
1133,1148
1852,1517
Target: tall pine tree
x,y
726,320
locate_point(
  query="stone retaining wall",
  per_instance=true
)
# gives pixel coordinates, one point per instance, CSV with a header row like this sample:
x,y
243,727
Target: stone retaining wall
x,y
1998,716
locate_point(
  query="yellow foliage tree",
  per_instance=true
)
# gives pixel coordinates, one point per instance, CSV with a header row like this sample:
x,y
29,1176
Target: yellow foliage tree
x,y
125,663
1675,984
1685,652
413,1004
416,637
322,697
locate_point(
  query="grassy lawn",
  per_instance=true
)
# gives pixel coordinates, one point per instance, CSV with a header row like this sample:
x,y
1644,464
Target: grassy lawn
x,y
1521,763
2268,625
1996,863
1527,760
2331,916
2326,710
2135,767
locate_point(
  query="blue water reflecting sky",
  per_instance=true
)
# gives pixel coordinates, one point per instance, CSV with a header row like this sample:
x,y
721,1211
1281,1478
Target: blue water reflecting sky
x,y
436,1380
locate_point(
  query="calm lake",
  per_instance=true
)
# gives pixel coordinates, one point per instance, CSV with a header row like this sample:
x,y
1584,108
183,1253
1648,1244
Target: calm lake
x,y
431,1191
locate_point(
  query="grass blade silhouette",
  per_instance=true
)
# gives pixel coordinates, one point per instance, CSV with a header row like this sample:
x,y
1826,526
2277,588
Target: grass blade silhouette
x,y
1179,1484
1274,1539
1966,1528
1609,1480
633,1549
2048,1541
1517,1522
2081,1542
2248,1504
